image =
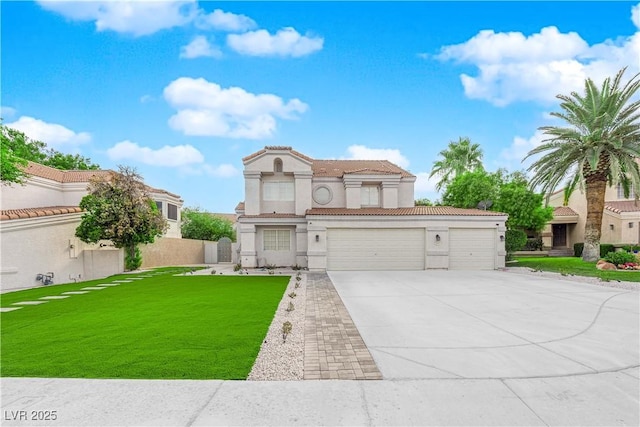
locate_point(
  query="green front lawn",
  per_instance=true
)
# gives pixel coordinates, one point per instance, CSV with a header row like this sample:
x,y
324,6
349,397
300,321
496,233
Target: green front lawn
x,y
161,327
575,266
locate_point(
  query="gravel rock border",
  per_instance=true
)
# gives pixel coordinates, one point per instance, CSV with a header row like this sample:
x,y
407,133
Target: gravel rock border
x,y
278,360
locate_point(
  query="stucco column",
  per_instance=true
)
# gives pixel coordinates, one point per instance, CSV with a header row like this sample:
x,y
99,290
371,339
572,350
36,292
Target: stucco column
x,y
301,245
352,191
248,254
303,191
316,247
390,192
252,192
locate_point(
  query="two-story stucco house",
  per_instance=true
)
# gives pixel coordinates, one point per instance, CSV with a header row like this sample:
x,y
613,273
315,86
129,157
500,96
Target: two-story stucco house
x,y
620,220
355,215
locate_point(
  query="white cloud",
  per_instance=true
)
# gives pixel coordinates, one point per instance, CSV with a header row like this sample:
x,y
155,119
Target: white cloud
x,y
286,42
171,156
361,152
224,21
52,134
135,17
199,47
221,171
424,184
6,112
146,98
514,67
511,158
206,109
635,15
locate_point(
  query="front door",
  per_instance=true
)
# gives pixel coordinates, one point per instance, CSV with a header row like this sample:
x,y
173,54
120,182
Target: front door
x,y
559,235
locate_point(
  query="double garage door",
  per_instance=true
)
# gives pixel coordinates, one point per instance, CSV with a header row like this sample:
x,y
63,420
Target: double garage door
x,y
404,249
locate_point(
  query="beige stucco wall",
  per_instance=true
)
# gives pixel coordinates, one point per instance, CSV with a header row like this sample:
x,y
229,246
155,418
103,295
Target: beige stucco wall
x,y
47,244
167,251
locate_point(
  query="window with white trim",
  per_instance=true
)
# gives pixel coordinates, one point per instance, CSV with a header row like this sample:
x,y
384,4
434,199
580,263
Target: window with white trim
x,y
278,191
369,195
621,192
277,240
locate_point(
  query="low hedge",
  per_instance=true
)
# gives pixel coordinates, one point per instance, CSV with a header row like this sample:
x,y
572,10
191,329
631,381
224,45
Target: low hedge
x,y
605,248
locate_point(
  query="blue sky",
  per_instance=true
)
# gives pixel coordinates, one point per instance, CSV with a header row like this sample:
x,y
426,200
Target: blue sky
x,y
183,90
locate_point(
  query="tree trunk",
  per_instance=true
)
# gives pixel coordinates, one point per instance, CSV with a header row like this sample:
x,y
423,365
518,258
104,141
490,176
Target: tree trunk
x,y
595,192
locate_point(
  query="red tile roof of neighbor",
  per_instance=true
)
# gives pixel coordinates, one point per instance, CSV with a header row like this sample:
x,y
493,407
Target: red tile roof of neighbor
x,y
61,176
278,148
623,206
564,211
37,212
416,210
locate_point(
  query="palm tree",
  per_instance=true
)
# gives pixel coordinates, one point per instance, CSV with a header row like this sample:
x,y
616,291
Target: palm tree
x,y
459,157
599,147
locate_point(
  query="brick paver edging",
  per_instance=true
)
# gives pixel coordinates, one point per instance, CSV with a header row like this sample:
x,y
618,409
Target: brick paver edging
x,y
333,347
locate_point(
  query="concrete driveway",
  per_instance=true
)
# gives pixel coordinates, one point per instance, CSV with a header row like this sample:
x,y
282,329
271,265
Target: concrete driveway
x,y
558,345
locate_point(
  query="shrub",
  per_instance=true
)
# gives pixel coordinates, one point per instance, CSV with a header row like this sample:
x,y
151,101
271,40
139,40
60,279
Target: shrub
x,y
237,267
577,249
619,258
533,244
132,262
605,248
631,248
514,241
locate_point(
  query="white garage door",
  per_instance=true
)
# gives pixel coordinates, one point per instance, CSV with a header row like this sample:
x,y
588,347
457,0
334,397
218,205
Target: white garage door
x,y
472,248
375,249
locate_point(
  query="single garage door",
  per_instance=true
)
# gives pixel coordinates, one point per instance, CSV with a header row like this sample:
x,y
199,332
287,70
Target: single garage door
x,y
472,248
375,249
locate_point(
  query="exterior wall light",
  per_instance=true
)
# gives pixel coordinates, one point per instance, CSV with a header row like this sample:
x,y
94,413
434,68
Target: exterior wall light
x,y
317,237
437,237
630,225
502,238
611,226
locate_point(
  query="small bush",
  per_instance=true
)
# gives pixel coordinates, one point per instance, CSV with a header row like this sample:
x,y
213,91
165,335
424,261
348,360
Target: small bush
x,y
134,262
514,241
605,248
533,244
577,249
631,248
237,267
619,258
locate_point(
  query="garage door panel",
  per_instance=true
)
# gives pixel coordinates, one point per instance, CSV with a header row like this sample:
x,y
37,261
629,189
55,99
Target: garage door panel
x,y
472,248
375,249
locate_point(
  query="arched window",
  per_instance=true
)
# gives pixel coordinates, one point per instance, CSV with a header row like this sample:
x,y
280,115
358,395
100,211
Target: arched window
x,y
277,165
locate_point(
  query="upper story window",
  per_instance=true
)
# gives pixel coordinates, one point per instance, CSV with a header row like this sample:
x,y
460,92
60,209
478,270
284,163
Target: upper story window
x,y
278,191
621,193
159,205
172,211
370,195
277,165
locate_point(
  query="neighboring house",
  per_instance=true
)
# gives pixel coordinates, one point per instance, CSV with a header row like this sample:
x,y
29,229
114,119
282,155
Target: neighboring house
x,y
620,220
37,229
355,215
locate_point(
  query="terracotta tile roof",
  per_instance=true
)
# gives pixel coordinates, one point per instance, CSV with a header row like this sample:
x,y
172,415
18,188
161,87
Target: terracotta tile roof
x,y
622,206
161,191
564,211
240,206
227,216
279,148
37,212
337,168
273,215
416,210
47,172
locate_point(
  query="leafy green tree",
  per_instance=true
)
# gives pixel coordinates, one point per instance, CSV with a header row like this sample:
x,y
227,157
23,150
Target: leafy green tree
x,y
599,146
423,202
468,189
459,157
17,149
508,193
205,226
525,208
119,209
